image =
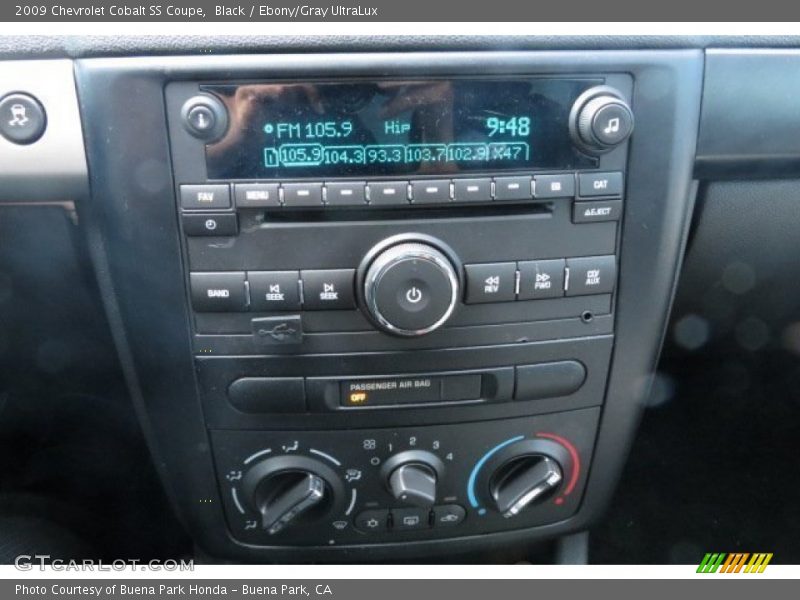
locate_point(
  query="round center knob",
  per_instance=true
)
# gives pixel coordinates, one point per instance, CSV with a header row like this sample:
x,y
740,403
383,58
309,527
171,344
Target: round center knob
x,y
410,289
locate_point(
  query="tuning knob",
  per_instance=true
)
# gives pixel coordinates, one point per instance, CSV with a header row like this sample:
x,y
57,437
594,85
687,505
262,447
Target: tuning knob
x,y
409,285
412,476
287,490
601,120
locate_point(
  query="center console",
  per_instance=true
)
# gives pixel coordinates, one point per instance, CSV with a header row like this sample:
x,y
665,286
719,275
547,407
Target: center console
x,y
372,305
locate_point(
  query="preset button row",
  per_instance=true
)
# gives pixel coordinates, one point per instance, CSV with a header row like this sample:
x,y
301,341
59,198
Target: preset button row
x,y
540,279
317,194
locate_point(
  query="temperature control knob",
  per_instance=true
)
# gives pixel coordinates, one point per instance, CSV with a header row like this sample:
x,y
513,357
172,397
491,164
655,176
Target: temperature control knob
x,y
410,285
524,481
524,474
601,120
287,490
412,476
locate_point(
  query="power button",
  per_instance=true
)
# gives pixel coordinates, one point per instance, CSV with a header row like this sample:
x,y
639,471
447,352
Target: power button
x,y
414,295
410,289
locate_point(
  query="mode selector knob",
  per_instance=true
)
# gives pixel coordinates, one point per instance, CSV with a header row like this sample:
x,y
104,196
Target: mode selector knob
x,y
290,490
410,286
601,120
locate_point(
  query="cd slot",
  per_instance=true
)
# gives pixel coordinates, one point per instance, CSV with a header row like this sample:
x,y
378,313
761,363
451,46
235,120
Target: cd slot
x,y
402,213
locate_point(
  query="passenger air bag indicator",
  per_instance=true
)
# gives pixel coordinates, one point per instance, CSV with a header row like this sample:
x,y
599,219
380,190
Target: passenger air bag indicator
x,y
399,390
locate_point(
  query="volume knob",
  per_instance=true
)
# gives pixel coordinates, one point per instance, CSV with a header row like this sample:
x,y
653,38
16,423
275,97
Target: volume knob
x,y
410,288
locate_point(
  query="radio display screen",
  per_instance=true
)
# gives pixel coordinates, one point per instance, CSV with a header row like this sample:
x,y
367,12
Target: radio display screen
x,y
395,128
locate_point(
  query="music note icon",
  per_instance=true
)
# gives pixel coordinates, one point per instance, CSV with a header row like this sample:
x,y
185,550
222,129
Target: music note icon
x,y
612,127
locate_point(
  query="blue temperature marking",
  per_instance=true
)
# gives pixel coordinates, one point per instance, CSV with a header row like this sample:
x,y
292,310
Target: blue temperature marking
x,y
474,475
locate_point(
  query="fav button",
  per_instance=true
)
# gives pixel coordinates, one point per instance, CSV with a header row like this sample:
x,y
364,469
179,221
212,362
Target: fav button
x,y
194,197
330,289
22,118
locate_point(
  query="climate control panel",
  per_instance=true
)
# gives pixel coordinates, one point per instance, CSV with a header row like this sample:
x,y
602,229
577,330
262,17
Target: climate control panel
x,y
382,485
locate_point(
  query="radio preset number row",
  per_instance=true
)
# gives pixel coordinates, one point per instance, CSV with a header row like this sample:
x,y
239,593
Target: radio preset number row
x,y
217,196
